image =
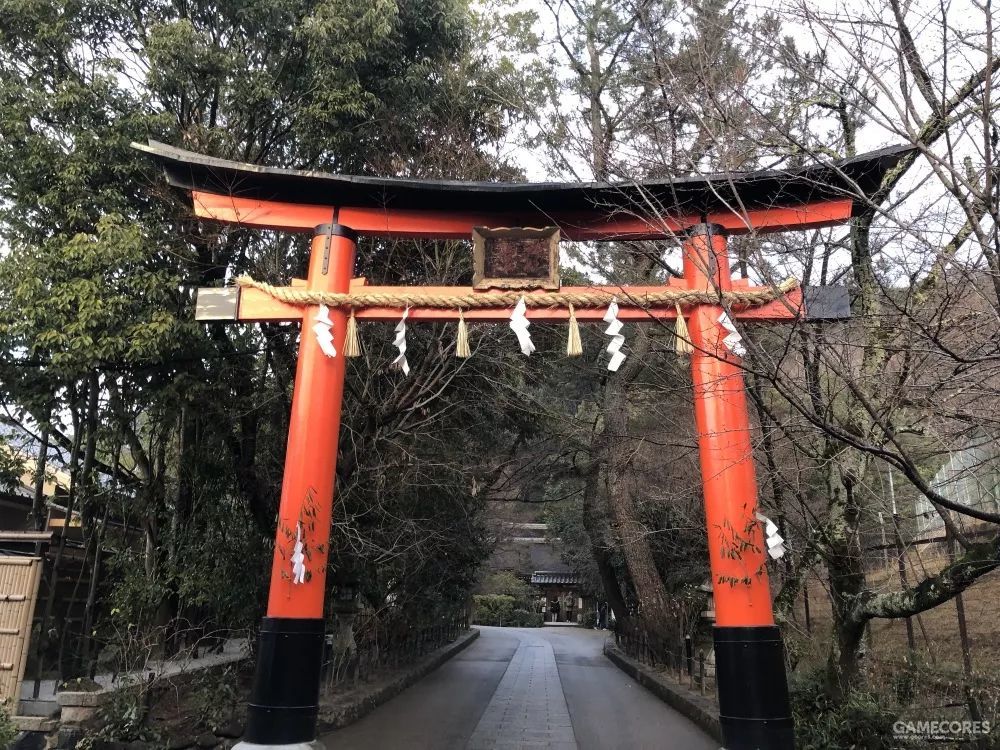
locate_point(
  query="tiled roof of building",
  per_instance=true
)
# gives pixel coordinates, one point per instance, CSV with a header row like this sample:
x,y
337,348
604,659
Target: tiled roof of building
x,y
554,577
524,558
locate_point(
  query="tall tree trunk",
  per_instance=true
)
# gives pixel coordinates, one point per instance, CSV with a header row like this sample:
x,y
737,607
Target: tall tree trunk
x,y
595,82
156,554
183,501
38,512
654,611
595,522
42,642
845,566
85,491
88,654
90,450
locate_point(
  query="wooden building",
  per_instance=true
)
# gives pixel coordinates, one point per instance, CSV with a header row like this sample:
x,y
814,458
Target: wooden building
x,y
525,550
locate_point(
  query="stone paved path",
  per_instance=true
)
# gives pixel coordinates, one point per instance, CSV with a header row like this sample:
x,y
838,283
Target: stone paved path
x,y
516,688
528,709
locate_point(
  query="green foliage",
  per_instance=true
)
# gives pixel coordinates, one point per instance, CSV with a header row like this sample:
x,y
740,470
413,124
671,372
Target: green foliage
x,y
565,521
8,732
493,609
122,717
504,582
521,618
497,588
11,466
861,721
216,695
101,259
90,300
504,610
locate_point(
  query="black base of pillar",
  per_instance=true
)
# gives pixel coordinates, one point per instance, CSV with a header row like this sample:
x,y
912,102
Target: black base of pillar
x,y
285,699
754,708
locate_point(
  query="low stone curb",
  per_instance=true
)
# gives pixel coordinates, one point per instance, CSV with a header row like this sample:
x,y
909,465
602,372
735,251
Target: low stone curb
x,y
34,723
695,707
365,704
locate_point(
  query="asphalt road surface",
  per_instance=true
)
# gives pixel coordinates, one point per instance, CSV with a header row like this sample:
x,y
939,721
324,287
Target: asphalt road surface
x,y
525,688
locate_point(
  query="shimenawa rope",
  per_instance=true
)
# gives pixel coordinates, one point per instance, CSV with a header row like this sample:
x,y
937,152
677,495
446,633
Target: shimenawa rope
x,y
480,300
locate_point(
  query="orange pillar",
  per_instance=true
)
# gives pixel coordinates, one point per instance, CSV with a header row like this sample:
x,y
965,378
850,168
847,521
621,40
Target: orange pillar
x,y
283,704
753,693
735,537
313,434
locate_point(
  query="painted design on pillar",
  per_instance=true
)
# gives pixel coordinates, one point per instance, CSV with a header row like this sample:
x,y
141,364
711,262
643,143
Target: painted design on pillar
x,y
297,551
617,339
400,343
519,325
323,328
298,557
734,544
733,341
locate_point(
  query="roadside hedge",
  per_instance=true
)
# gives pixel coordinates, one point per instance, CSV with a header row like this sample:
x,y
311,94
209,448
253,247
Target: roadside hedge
x,y
502,610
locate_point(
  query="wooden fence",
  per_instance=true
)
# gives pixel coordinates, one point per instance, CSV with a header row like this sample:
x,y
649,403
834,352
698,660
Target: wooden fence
x,y
19,581
387,647
689,664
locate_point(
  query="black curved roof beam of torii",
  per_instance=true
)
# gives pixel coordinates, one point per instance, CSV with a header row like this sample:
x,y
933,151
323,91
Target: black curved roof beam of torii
x,y
819,194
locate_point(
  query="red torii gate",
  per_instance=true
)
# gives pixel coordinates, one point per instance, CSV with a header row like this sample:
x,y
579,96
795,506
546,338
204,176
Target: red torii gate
x,y
753,693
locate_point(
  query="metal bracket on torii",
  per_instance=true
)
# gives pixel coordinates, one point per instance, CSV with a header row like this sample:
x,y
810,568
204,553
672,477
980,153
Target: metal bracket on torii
x,y
701,211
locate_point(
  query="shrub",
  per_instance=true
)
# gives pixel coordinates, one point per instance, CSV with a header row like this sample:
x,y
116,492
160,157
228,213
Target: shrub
x,y
8,732
508,584
501,609
123,717
522,618
860,721
216,695
493,609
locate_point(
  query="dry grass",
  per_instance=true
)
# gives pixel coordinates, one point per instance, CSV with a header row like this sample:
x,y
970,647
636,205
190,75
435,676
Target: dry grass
x,y
935,671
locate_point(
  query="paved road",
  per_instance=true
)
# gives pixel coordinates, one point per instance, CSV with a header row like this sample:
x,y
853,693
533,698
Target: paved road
x,y
526,688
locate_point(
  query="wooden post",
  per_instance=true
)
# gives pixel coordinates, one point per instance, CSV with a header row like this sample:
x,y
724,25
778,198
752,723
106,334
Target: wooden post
x,y
885,543
911,641
701,671
963,633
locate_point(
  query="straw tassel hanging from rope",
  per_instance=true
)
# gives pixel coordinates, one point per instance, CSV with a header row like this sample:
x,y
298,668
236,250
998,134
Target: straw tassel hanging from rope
x,y
462,344
352,345
682,338
574,347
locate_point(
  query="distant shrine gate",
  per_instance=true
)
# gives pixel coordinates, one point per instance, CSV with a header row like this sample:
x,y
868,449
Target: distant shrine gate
x,y
522,264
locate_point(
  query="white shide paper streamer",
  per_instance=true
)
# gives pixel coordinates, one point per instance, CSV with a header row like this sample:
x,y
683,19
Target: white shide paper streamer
x,y
324,333
298,557
775,544
400,343
733,340
519,325
617,340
